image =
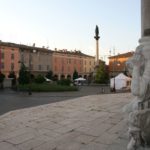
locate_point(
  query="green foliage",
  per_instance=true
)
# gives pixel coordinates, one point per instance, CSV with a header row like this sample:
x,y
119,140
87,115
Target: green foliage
x,y
49,75
101,74
12,75
64,82
23,75
75,74
46,87
39,79
2,77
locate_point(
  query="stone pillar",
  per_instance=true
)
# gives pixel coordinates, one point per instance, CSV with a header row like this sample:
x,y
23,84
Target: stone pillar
x,y
97,45
145,18
139,108
97,52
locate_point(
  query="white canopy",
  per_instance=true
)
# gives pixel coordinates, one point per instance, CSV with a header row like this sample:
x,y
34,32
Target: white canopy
x,y
121,81
80,79
48,80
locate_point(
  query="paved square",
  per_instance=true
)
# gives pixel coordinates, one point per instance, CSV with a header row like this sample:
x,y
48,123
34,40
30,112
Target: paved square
x,y
88,123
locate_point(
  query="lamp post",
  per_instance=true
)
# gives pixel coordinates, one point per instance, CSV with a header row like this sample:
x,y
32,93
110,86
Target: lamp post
x,y
30,92
114,87
30,57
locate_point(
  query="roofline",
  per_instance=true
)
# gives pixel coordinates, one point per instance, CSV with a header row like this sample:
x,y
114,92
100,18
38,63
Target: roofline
x,y
124,54
21,46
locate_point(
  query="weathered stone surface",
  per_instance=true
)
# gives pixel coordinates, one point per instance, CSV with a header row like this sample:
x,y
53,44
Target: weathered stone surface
x,y
7,146
139,108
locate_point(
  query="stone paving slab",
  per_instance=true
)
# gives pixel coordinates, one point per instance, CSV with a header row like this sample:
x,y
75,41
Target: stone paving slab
x,y
88,123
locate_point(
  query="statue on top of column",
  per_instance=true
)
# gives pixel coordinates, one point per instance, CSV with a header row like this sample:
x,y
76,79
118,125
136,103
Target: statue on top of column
x,y
96,33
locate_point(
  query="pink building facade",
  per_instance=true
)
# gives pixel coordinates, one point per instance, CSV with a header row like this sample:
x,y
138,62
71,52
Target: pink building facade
x,y
9,57
62,63
66,62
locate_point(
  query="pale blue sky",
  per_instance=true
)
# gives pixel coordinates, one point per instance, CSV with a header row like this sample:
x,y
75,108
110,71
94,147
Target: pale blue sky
x,y
70,24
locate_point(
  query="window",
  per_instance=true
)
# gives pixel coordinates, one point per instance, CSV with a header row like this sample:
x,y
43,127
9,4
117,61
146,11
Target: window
x,y
69,61
2,50
2,65
55,59
80,69
62,61
31,67
55,68
12,66
40,67
47,67
68,69
2,55
62,68
12,56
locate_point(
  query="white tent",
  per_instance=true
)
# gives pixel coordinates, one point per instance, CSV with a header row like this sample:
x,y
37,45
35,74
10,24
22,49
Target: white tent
x,y
80,79
121,81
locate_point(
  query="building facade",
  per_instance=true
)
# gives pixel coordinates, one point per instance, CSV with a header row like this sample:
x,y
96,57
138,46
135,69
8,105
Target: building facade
x,y
9,57
66,62
88,65
117,64
62,63
37,60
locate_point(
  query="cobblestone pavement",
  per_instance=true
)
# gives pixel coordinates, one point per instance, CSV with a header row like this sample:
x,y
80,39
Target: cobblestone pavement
x,y
87,123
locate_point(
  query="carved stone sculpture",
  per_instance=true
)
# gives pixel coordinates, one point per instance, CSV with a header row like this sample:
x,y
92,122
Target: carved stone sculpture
x,y
139,108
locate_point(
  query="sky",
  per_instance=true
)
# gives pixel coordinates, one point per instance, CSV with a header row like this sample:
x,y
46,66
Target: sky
x,y
70,24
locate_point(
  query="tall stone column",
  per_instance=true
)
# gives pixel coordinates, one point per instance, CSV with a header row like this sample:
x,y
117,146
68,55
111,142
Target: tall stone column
x,y
139,108
97,45
97,52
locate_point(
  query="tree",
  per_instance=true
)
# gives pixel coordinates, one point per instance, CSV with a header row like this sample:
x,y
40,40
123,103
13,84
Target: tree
x,y
102,75
2,77
39,79
23,75
13,76
49,75
75,74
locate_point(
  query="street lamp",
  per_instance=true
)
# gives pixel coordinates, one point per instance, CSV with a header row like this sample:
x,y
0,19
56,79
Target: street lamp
x,y
30,59
114,87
